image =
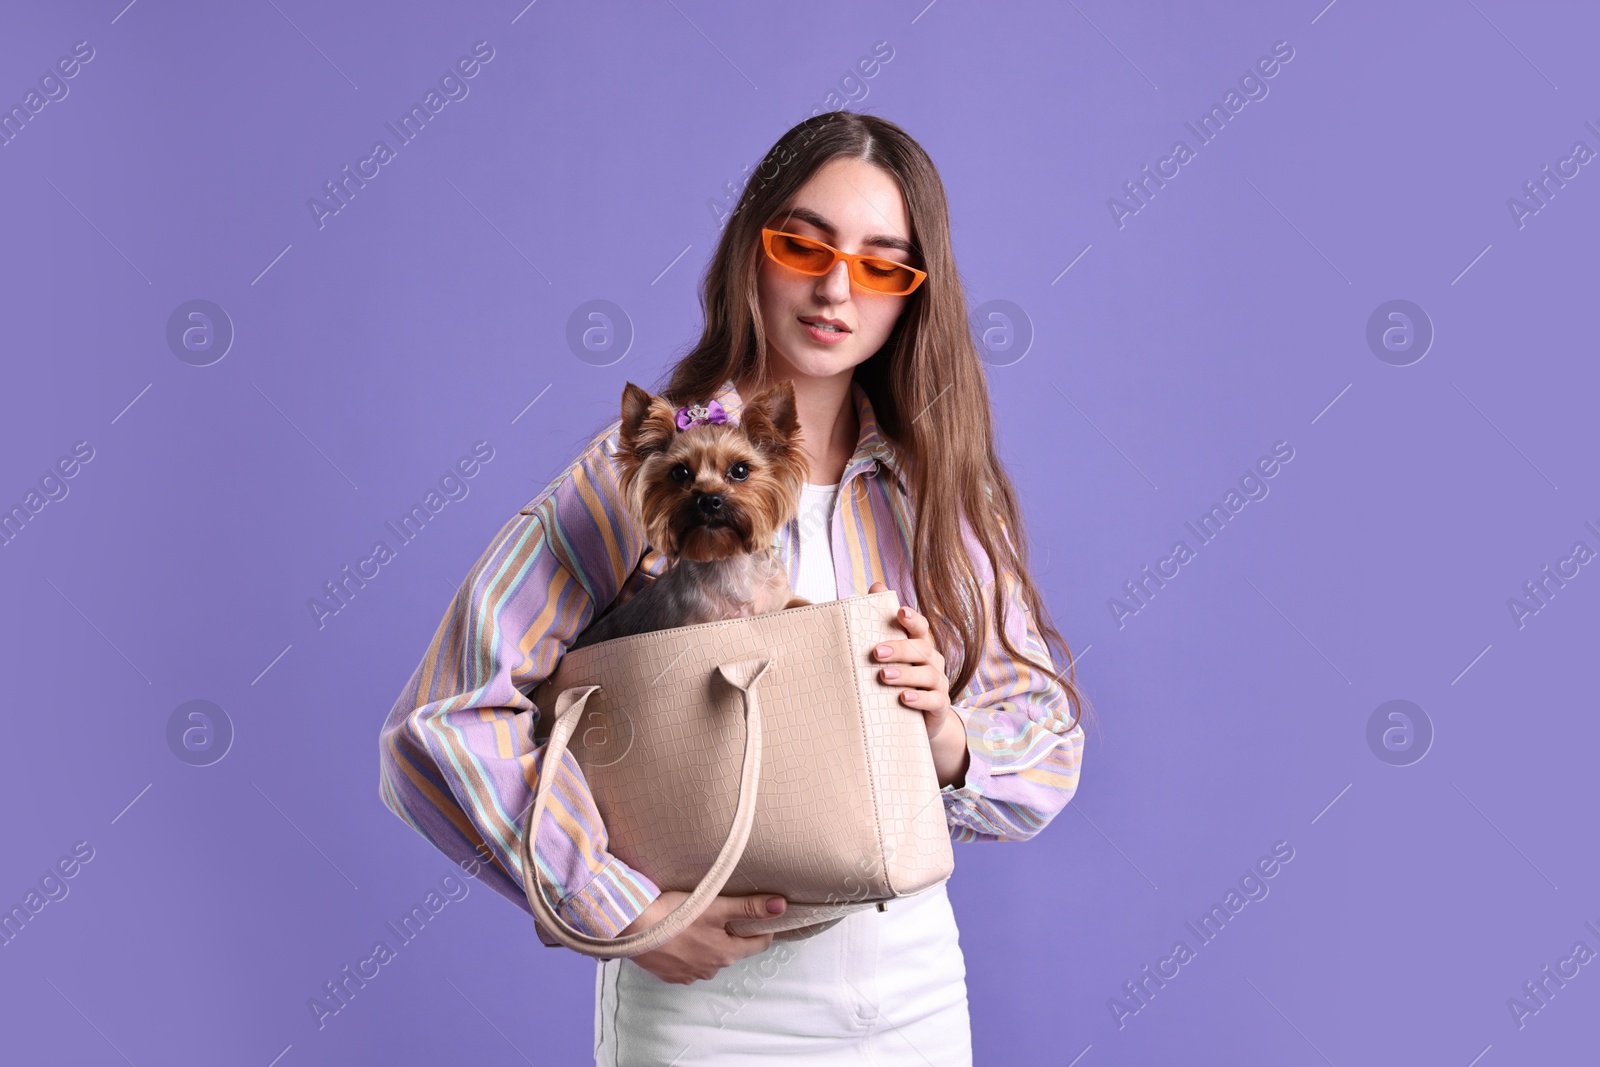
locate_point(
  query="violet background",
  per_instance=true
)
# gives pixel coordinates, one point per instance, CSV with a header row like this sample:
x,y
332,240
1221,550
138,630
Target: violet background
x,y
1227,315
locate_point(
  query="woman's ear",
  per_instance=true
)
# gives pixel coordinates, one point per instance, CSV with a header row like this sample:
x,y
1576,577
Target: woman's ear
x,y
647,422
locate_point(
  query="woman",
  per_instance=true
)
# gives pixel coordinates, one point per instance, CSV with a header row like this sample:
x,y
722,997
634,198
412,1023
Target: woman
x,y
895,417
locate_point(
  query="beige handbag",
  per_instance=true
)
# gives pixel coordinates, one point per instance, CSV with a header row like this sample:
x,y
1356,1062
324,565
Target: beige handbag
x,y
758,754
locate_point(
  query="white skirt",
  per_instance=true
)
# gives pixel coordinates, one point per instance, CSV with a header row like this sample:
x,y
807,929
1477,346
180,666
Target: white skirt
x,y
883,988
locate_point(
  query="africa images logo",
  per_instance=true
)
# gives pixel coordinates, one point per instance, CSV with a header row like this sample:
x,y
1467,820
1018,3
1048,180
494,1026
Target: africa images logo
x,y
453,87
1252,486
1207,128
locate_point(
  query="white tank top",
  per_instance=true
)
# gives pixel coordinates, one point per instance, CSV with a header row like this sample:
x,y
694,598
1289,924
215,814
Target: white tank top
x,y
817,581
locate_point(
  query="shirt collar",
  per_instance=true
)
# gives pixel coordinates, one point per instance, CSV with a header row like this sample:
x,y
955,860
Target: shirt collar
x,y
872,447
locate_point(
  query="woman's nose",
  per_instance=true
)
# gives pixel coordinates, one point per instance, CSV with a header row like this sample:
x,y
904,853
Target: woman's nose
x,y
835,284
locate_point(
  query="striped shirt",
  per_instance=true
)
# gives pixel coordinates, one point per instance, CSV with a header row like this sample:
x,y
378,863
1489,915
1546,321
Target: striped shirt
x,y
457,760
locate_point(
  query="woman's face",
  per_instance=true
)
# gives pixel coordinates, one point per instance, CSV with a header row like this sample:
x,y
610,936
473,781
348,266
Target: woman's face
x,y
855,207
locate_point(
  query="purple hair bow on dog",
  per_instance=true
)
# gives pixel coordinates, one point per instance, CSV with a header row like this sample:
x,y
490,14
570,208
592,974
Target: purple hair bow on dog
x,y
694,414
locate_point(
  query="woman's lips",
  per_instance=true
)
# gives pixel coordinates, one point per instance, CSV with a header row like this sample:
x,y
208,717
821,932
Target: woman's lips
x,y
826,337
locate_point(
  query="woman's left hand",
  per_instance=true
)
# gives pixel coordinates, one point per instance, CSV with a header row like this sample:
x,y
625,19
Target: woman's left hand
x,y
916,667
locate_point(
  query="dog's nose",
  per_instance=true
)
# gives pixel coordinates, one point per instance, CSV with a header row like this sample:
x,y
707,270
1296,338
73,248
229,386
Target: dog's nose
x,y
710,503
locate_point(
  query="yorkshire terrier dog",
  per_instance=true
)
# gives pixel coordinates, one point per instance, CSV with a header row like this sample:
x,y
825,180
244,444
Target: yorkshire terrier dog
x,y
710,495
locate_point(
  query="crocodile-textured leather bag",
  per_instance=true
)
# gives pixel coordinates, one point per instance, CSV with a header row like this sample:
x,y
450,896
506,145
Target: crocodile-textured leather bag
x,y
761,754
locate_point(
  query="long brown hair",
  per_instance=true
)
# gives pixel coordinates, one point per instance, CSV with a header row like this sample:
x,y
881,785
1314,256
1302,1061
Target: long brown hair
x,y
929,357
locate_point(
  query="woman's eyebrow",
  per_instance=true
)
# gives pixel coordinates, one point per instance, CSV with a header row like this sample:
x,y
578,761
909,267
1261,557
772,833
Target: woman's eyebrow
x,y
881,240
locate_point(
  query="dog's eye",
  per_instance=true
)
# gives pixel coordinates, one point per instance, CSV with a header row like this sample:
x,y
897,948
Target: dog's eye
x,y
680,474
739,471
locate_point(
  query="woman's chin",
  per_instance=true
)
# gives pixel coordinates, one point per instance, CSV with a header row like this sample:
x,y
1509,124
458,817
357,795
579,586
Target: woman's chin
x,y
814,359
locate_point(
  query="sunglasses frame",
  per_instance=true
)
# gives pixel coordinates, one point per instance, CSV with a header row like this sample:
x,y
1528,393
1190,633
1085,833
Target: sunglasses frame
x,y
853,259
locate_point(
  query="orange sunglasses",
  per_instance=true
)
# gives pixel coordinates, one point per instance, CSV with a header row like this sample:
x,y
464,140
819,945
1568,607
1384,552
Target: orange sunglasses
x,y
810,256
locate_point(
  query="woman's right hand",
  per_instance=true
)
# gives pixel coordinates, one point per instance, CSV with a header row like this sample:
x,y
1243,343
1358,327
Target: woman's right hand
x,y
705,947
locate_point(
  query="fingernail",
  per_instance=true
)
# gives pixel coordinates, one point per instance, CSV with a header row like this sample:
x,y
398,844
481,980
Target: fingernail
x,y
890,674
775,905
883,651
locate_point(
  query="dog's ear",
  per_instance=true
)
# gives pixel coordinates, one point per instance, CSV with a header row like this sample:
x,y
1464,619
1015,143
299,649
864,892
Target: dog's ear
x,y
770,420
647,422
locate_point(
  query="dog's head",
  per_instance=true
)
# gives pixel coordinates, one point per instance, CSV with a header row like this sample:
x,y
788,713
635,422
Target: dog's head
x,y
713,489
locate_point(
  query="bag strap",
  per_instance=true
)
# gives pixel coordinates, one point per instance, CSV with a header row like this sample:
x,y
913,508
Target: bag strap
x,y
742,675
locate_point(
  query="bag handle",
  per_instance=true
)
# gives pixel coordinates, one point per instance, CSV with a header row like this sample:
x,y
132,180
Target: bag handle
x,y
742,675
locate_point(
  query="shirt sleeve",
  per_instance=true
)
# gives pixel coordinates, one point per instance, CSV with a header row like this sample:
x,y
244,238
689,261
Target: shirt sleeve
x,y
457,759
1025,750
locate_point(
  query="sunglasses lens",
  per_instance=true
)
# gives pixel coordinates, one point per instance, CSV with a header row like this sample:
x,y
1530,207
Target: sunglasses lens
x,y
884,276
801,254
